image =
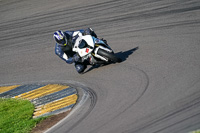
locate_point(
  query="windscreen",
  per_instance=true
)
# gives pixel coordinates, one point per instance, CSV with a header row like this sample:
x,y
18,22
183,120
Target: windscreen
x,y
83,44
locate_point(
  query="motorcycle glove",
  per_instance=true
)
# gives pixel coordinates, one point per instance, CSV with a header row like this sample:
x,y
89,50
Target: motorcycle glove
x,y
76,58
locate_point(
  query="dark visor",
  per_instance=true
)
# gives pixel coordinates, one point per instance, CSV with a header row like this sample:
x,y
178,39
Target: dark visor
x,y
63,41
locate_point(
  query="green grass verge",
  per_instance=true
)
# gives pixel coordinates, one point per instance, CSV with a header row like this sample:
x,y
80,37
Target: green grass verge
x,y
16,116
197,131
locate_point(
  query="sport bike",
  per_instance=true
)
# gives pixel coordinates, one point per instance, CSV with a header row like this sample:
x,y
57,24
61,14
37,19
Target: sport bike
x,y
94,50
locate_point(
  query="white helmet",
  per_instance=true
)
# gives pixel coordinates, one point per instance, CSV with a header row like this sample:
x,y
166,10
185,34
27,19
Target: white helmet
x,y
60,38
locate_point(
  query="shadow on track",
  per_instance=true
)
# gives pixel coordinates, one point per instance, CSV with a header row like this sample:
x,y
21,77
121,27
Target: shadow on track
x,y
122,55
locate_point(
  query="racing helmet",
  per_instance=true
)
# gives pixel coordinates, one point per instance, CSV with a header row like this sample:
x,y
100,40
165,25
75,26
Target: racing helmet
x,y
60,38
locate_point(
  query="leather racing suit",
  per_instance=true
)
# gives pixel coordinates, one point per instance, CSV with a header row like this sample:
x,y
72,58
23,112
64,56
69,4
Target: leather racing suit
x,y
66,53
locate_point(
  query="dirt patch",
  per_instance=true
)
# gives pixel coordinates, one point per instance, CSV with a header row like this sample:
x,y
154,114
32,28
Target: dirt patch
x,y
49,122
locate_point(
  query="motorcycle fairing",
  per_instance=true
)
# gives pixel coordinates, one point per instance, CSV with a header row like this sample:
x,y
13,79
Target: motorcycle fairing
x,y
87,48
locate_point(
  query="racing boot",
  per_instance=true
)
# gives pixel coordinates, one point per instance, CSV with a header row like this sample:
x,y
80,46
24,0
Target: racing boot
x,y
90,31
80,67
104,41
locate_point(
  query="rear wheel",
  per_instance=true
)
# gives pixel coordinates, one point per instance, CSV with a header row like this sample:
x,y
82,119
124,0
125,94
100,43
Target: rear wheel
x,y
108,55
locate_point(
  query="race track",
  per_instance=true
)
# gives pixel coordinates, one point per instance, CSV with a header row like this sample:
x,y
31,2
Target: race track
x,y
156,89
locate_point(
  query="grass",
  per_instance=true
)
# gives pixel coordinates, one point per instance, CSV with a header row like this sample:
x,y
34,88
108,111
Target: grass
x,y
197,131
16,116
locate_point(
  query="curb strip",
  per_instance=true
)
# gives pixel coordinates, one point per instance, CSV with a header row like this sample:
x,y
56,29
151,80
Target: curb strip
x,y
48,99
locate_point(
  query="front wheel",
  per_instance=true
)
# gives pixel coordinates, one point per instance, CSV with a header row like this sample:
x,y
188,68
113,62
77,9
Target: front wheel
x,y
110,56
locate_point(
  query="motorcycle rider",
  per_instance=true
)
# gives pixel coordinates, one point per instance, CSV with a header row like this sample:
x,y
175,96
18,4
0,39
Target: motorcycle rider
x,y
64,44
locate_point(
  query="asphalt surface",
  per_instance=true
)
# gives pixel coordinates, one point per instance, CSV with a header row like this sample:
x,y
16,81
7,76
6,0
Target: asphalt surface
x,y
154,90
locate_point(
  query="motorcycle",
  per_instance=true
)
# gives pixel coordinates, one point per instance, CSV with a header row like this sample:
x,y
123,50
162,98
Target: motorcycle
x,y
94,50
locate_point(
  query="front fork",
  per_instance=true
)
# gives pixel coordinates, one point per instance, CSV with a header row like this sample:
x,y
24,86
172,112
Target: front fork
x,y
95,54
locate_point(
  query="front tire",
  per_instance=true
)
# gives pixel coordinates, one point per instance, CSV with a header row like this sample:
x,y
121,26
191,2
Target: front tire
x,y
108,55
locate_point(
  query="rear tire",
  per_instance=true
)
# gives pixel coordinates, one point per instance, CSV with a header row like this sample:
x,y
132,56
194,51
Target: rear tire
x,y
108,55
